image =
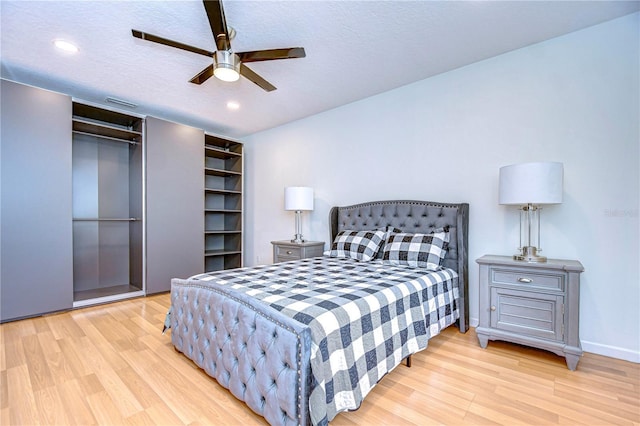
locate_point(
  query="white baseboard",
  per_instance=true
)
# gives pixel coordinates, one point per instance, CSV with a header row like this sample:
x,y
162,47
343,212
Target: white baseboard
x,y
596,348
611,351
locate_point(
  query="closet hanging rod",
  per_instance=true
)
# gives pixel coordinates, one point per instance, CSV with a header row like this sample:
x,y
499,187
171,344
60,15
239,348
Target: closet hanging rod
x,y
106,137
97,219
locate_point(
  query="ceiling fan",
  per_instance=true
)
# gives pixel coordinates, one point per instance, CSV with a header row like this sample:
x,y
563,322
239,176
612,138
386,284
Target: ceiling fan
x,y
227,65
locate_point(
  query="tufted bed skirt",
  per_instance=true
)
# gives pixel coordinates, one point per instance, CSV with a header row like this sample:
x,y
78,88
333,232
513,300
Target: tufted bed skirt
x,y
232,344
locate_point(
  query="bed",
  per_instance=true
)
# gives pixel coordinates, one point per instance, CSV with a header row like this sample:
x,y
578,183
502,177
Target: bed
x,y
301,341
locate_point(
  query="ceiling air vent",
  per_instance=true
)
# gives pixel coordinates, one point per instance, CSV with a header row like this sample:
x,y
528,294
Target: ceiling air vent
x,y
120,102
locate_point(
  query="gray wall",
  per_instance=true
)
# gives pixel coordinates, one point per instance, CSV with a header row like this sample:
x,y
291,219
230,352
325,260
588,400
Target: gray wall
x,y
37,245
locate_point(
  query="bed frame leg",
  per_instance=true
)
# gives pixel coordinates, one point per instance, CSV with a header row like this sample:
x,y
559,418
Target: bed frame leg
x,y
408,360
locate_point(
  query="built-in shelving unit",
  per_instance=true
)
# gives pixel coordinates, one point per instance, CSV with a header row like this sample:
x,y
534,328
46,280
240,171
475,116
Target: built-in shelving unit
x,y
223,203
107,175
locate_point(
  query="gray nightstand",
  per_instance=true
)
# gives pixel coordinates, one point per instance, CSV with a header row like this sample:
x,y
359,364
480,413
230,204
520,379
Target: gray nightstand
x,y
284,251
533,304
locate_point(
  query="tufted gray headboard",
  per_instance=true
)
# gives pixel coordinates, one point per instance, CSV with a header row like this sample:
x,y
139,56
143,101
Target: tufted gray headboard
x,y
415,217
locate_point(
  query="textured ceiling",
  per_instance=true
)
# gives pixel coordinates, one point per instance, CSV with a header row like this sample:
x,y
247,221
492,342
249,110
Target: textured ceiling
x,y
355,49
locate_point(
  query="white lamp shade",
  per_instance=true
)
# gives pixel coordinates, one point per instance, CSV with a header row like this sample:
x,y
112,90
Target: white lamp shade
x,y
531,183
298,198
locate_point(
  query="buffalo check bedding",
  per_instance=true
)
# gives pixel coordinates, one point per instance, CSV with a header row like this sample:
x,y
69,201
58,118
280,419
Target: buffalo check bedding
x,y
364,317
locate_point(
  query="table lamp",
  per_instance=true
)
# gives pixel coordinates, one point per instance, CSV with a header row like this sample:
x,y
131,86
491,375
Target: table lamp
x,y
298,199
531,185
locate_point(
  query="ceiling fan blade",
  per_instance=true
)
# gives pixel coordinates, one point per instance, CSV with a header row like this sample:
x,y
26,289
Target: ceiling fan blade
x,y
249,74
218,23
171,43
203,75
270,55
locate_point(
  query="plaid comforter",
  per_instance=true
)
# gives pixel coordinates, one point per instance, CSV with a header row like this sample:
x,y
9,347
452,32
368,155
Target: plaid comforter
x,y
365,318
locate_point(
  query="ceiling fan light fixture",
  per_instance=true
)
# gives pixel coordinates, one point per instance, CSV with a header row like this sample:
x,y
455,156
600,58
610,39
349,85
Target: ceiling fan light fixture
x,y
226,74
226,65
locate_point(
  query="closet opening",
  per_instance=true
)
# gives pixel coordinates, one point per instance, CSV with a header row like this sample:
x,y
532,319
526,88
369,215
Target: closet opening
x,y
108,207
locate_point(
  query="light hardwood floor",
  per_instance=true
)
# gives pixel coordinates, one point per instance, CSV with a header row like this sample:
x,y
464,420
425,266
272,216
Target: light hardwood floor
x,y
111,365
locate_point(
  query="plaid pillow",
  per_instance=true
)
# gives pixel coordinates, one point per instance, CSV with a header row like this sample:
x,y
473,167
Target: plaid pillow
x,y
359,245
417,250
387,229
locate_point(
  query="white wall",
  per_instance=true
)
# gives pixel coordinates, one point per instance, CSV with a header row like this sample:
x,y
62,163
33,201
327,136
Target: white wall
x,y
573,99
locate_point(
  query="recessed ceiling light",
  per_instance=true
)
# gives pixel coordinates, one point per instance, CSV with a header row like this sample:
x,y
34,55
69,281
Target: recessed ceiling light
x,y
233,105
65,46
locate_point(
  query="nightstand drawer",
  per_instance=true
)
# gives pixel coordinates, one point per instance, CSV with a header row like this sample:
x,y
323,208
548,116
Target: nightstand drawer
x,y
527,279
527,313
287,251
284,251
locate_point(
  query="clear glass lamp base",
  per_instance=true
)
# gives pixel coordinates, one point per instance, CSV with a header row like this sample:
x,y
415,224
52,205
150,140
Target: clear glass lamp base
x,y
530,254
298,239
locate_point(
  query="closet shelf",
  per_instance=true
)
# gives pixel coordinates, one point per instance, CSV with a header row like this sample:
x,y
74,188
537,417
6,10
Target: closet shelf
x,y
87,127
106,117
221,232
220,252
110,219
222,191
222,211
220,172
217,152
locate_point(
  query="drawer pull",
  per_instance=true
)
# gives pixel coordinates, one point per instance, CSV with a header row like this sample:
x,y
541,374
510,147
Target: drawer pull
x,y
289,251
493,308
525,280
